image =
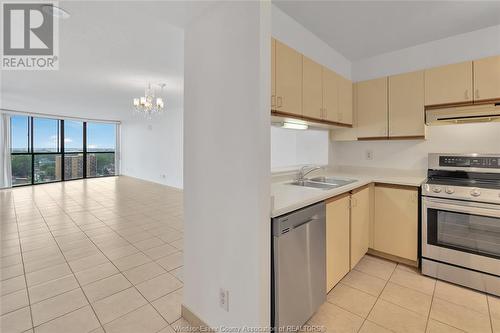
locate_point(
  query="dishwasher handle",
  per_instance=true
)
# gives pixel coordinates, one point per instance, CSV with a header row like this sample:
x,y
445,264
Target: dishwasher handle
x,y
288,222
315,218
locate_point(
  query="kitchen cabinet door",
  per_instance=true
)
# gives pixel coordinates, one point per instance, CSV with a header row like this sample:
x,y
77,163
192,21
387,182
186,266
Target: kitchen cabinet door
x,y
396,220
288,80
345,100
449,84
360,224
406,104
312,89
273,73
337,239
371,104
330,95
487,78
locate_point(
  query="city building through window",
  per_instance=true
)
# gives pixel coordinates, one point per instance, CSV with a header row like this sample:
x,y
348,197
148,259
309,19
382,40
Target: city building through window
x,y
47,150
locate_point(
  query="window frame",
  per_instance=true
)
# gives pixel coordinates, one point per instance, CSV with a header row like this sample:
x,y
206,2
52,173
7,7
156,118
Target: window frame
x,y
61,152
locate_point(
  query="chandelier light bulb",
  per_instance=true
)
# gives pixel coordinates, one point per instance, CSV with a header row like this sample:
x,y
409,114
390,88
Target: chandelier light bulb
x,y
150,103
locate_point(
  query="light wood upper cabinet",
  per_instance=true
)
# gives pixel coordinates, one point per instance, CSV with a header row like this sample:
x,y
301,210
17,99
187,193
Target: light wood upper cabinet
x,y
487,78
449,84
406,104
330,95
337,240
288,79
396,221
371,108
273,73
345,100
312,90
360,224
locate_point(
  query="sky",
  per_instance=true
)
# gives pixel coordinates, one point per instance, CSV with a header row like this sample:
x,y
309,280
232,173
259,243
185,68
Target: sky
x,y
45,134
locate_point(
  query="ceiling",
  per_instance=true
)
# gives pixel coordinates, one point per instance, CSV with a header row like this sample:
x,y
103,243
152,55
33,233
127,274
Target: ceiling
x,y
362,29
108,52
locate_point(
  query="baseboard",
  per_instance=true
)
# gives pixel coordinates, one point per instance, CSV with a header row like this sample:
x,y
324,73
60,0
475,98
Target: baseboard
x,y
192,318
391,257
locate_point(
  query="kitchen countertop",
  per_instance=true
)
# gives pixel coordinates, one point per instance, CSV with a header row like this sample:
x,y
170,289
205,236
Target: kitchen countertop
x,y
286,198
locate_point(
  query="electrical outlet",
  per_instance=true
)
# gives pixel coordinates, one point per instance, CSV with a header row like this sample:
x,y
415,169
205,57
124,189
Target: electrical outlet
x,y
369,155
163,176
224,299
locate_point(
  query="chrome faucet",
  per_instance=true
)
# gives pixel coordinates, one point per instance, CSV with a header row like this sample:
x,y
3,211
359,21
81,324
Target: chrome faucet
x,y
303,172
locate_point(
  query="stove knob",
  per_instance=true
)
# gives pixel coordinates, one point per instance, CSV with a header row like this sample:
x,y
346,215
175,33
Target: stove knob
x,y
475,192
436,189
449,190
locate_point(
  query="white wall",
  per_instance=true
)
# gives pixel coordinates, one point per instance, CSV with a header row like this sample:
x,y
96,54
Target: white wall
x,y
412,155
152,149
291,148
473,45
287,30
227,164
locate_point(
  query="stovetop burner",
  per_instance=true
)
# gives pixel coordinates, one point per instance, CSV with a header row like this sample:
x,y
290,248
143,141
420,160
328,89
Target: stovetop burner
x,y
470,177
464,178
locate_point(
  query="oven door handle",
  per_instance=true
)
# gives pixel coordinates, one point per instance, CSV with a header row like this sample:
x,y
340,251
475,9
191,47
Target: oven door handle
x,y
467,207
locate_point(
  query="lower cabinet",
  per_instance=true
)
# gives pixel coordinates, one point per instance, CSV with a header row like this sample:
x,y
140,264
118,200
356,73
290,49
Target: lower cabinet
x,y
396,220
360,223
337,239
382,217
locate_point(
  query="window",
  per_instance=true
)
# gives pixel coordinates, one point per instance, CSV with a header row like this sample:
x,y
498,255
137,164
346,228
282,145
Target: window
x,y
20,150
73,149
101,143
47,168
46,150
19,134
21,170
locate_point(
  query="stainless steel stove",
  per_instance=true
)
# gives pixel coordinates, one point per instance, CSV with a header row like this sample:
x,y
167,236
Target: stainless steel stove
x,y
461,220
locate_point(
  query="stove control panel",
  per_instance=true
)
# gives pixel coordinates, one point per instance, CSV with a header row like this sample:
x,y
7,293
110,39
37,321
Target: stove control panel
x,y
470,162
462,193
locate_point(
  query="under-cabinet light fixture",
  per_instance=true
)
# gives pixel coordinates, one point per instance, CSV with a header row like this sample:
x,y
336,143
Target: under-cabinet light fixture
x,y
296,126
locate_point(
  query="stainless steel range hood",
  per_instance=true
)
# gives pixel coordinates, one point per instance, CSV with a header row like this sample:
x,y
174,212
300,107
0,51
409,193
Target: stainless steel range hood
x,y
463,114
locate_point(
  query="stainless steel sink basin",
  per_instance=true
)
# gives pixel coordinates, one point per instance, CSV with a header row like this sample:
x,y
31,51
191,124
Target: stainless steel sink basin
x,y
325,183
307,183
333,181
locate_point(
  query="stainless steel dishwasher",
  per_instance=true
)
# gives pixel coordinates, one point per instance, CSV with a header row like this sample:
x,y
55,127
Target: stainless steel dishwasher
x,y
299,265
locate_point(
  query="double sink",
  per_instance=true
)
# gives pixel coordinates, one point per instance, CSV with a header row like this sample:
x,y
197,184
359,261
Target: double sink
x,y
324,183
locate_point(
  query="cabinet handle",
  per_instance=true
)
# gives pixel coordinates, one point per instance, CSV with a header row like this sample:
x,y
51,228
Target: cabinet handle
x,y
325,111
273,100
477,93
340,116
413,198
466,95
280,101
354,202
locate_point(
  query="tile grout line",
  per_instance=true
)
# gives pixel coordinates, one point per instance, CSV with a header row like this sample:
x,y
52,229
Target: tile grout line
x,y
120,271
67,263
430,307
378,297
489,313
22,261
156,221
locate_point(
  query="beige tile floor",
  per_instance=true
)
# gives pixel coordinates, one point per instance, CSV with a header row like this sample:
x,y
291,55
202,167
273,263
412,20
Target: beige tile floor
x,y
105,255
382,296
91,256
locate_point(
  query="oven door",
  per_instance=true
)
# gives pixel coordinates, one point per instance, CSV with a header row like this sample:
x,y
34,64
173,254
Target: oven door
x,y
462,233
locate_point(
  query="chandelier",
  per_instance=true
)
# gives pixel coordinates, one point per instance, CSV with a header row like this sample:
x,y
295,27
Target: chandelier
x,y
150,104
